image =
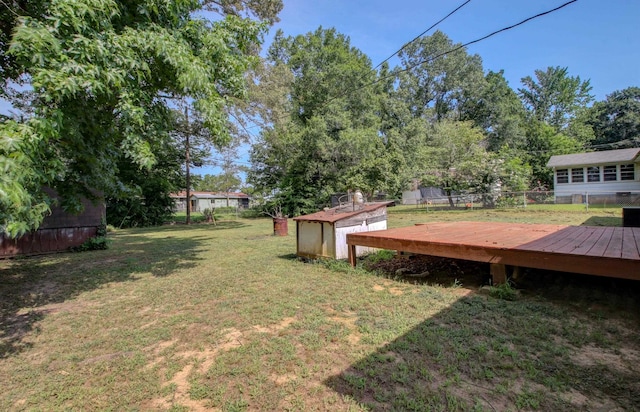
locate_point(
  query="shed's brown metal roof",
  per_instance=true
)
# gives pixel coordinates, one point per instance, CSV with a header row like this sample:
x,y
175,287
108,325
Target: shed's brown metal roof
x,y
342,212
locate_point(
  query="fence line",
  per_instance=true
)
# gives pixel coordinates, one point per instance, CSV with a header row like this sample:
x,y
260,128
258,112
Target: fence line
x,y
496,200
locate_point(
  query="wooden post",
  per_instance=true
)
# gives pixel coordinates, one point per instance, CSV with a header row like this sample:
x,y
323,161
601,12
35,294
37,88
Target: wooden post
x,y
498,273
352,255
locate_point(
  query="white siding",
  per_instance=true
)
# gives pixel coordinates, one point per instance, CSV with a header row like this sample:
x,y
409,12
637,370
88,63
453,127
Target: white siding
x,y
342,251
233,202
202,204
329,241
568,189
310,238
602,187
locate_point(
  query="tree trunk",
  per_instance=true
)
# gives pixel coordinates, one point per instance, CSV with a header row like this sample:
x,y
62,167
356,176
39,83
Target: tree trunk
x,y
188,177
451,204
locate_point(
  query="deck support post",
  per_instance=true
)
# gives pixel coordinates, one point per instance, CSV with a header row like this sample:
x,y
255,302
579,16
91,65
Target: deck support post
x,y
498,273
352,255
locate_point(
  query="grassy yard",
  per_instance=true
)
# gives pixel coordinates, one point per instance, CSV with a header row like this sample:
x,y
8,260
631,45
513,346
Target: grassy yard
x,y
227,318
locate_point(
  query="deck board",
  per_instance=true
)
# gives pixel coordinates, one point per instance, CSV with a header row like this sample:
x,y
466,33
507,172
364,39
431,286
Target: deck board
x,y
602,251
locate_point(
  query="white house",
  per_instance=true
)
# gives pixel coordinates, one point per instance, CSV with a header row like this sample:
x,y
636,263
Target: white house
x,y
210,200
324,233
607,176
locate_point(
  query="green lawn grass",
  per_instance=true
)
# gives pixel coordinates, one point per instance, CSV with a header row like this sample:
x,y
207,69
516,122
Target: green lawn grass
x,y
227,318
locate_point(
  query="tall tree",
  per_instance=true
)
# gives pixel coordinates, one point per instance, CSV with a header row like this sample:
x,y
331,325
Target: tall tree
x,y
454,157
554,97
328,141
100,70
499,112
616,120
434,81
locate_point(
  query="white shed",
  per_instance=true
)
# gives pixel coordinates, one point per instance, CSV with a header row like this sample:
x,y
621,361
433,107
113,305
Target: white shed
x,y
616,172
324,234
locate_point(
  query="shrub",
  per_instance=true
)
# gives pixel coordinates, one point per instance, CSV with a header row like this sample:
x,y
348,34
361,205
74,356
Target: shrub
x,y
95,243
504,291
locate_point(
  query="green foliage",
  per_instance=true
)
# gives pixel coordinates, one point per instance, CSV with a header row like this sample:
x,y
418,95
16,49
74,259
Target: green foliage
x,y
499,112
504,291
434,88
554,97
98,242
142,199
379,256
454,158
616,120
545,141
217,183
95,243
19,179
101,72
331,142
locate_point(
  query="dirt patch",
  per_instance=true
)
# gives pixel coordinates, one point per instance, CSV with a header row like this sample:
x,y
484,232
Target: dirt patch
x,y
433,270
286,322
621,360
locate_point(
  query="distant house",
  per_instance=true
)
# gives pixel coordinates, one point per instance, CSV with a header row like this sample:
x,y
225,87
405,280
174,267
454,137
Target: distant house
x,y
324,233
605,176
210,200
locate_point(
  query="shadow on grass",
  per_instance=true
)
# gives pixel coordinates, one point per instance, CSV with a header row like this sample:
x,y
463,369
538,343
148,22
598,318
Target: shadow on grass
x,y
603,221
32,287
289,256
220,225
538,352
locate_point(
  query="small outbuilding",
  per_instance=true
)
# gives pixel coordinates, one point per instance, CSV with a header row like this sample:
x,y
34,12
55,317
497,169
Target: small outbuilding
x,y
58,232
324,234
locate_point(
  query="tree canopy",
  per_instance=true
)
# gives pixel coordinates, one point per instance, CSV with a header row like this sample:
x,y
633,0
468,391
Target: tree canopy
x,y
103,73
616,120
321,136
104,77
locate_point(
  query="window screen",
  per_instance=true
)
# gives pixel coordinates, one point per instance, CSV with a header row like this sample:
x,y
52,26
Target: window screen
x,y
627,172
562,176
609,173
577,175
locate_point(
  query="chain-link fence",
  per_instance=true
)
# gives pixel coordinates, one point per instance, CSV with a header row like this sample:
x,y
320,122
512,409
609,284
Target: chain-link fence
x,y
531,199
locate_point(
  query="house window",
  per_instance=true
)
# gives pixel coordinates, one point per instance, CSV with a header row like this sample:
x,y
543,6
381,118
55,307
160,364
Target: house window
x,y
593,174
610,173
627,172
577,175
562,175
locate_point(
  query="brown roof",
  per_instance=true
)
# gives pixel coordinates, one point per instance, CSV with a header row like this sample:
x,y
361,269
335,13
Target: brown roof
x,y
341,212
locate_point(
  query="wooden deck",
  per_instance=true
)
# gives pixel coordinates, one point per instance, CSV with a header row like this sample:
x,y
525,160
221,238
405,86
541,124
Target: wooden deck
x,y
591,250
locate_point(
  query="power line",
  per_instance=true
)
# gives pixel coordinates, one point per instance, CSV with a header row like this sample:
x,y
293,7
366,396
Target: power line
x,y
422,34
430,59
443,53
448,51
388,58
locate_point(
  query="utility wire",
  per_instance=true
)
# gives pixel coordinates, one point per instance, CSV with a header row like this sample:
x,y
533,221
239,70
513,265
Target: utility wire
x,y
446,52
422,34
430,59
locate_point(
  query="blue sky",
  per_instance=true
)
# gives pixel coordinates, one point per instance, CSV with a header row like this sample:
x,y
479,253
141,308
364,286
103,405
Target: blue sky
x,y
596,39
